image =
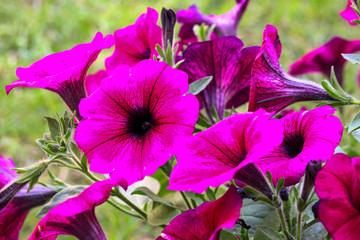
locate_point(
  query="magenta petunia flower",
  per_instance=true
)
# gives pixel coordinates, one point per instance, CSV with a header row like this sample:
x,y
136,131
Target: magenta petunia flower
x,y
93,81
76,216
228,63
211,157
206,221
64,72
338,187
271,88
324,57
136,42
225,24
308,135
14,209
131,122
349,14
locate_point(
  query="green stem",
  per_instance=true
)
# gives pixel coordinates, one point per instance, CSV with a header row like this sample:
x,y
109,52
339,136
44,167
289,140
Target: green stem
x,y
65,164
283,224
129,203
193,203
299,226
115,205
185,200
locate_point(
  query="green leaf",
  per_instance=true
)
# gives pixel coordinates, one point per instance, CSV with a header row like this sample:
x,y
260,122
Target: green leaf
x,y
279,185
316,231
84,161
353,58
54,127
253,213
268,229
226,235
147,192
333,92
30,172
355,123
196,197
162,214
74,149
210,194
334,81
199,85
356,21
215,114
60,197
160,51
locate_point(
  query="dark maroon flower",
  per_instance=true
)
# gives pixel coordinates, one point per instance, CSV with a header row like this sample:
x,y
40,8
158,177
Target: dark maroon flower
x,y
205,221
76,216
338,187
308,135
271,88
225,24
228,63
64,72
324,57
131,122
136,42
14,209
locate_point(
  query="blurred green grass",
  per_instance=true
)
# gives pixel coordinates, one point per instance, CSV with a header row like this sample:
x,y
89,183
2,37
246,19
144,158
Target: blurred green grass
x,y
30,30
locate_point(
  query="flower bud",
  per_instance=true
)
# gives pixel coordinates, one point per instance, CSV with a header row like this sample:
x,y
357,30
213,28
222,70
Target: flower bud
x,y
311,171
168,20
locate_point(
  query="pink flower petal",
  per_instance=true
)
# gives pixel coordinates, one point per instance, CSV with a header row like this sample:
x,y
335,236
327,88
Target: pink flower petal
x,y
205,221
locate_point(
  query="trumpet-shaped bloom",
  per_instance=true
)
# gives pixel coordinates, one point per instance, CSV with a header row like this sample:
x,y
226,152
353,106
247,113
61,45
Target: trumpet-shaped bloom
x,y
76,216
308,135
14,209
349,14
225,24
64,72
205,221
93,81
271,88
324,57
211,157
230,66
136,42
131,122
338,187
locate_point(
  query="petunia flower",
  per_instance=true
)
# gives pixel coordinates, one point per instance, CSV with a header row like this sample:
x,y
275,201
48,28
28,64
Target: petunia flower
x,y
324,57
136,42
211,157
271,88
93,81
206,221
349,14
64,72
338,187
76,216
228,63
14,208
308,135
225,24
131,122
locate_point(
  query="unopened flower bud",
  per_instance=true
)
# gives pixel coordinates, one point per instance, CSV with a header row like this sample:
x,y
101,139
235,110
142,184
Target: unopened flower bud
x,y
315,209
284,195
311,171
168,20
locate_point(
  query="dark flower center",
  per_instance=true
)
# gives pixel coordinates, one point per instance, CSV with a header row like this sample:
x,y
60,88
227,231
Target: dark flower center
x,y
293,144
140,122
